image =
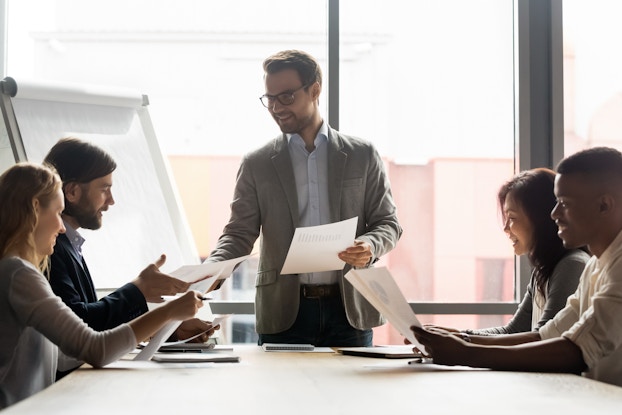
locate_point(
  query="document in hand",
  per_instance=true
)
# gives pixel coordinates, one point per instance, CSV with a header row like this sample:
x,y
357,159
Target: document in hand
x,y
315,248
379,288
215,322
202,276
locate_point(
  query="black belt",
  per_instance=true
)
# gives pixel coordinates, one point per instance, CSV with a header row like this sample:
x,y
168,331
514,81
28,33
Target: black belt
x,y
319,290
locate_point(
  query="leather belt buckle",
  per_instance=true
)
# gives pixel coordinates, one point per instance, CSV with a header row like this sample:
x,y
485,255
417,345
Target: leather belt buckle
x,y
319,291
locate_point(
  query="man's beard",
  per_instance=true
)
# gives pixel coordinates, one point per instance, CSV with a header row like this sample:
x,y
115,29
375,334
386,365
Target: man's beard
x,y
86,216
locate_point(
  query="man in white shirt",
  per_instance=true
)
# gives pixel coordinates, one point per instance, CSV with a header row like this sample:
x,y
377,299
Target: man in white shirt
x,y
585,336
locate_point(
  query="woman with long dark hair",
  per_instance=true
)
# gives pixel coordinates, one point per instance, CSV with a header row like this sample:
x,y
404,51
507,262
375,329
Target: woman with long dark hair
x,y
526,202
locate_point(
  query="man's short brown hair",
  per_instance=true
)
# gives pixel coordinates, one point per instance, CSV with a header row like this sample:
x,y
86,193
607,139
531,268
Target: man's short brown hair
x,y
307,67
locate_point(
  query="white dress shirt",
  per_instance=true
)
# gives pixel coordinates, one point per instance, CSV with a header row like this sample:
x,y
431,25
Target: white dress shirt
x,y
592,318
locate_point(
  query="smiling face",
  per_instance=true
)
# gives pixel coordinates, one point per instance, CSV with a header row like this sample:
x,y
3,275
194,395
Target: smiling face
x,y
517,226
303,114
49,224
577,212
86,202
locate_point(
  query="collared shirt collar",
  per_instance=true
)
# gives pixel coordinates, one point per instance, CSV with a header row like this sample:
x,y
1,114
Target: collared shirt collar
x,y
322,134
74,237
613,251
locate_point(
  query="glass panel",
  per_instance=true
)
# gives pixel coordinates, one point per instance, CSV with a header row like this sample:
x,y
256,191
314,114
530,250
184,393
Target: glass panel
x,y
200,63
592,74
387,334
241,328
431,84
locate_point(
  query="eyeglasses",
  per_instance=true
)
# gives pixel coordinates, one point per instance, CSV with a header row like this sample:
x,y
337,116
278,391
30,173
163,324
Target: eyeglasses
x,y
285,98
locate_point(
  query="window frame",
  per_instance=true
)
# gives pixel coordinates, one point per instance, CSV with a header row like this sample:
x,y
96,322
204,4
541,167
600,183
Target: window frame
x,y
538,115
539,126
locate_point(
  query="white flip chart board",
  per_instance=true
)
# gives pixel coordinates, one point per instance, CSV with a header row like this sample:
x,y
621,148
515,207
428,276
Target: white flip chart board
x,y
147,218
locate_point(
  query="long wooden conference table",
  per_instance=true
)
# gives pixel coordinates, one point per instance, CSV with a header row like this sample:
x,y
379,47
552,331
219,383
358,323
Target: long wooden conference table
x,y
315,383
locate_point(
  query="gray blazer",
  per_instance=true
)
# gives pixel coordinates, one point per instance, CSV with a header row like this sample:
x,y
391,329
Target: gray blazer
x,y
265,203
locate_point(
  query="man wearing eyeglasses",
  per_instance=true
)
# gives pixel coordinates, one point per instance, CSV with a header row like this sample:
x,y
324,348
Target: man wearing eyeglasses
x,y
309,175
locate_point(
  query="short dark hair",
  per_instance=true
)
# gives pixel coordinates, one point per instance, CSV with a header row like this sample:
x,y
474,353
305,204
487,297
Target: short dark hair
x,y
598,163
533,191
307,67
79,161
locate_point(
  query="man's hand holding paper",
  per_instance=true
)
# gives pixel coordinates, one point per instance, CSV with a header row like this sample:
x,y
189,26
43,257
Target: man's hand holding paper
x,y
318,248
358,255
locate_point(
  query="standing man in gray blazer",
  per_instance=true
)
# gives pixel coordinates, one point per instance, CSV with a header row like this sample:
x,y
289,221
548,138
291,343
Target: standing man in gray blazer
x,y
309,175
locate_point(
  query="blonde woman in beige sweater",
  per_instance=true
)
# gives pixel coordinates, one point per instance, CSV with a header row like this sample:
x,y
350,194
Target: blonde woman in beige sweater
x,y
36,327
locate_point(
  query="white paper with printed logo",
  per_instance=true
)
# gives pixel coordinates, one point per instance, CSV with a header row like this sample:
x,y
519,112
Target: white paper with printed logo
x,y
315,248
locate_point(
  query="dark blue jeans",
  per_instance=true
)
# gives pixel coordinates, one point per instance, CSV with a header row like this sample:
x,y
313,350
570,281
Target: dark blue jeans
x,y
321,322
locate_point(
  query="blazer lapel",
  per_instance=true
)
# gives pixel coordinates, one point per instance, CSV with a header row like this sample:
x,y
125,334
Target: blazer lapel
x,y
336,166
86,284
74,255
282,163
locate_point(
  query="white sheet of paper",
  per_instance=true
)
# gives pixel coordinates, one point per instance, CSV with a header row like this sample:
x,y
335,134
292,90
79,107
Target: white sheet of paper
x,y
195,273
157,340
217,320
190,273
315,248
165,332
379,288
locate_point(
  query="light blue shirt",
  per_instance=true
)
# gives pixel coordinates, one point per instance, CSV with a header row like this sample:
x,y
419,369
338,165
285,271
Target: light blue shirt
x,y
311,175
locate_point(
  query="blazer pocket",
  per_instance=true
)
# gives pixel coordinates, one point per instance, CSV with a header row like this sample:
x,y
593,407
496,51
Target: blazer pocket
x,y
265,278
353,182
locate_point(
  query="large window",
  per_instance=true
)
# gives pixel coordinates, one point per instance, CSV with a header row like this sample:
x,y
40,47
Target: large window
x,y
592,74
432,83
